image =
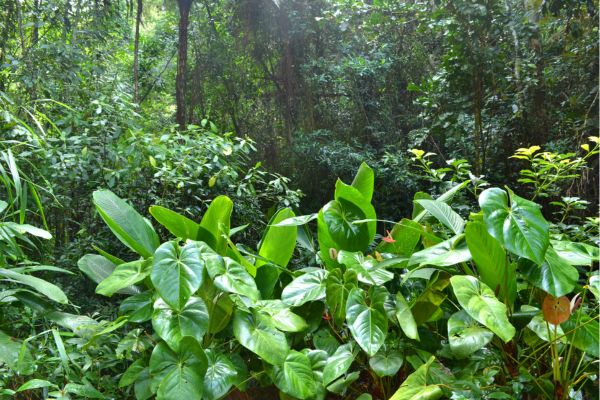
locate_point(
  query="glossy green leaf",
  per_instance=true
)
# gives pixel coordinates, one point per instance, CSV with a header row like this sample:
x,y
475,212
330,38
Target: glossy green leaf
x,y
341,385
177,272
138,308
367,269
172,325
386,362
479,301
220,306
128,226
545,330
555,275
132,373
277,245
220,375
339,363
46,288
84,391
295,377
405,318
465,335
449,252
338,218
492,263
179,225
124,276
367,318
520,227
445,214
406,234
309,286
281,316
179,375
217,221
419,214
35,384
364,181
583,332
576,253
337,288
419,385
349,194
16,355
260,338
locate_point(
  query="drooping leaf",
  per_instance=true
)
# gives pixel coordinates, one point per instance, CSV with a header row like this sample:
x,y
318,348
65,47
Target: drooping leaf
x,y
124,276
46,288
85,391
295,377
520,227
220,375
172,325
339,363
554,275
177,272
479,301
419,385
260,338
297,221
387,362
309,286
35,384
367,318
445,214
128,226
405,318
465,335
341,385
217,221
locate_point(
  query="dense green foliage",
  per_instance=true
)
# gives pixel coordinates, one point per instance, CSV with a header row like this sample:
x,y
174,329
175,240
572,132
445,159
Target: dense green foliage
x,y
299,199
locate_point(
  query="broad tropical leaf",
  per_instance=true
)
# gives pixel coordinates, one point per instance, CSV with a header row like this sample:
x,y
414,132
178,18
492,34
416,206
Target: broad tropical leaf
x,y
367,318
217,221
172,325
555,276
419,385
387,362
445,214
220,375
295,377
465,335
309,286
339,363
337,288
364,181
46,288
405,318
263,340
124,276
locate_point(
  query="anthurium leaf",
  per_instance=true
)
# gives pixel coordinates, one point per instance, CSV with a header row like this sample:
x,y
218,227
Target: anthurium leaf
x,y
295,377
576,253
172,325
337,288
419,385
364,181
387,362
124,276
179,225
367,269
449,252
327,246
338,217
555,276
98,268
492,263
220,305
339,363
177,272
367,318
519,226
179,375
445,214
217,221
465,335
479,301
138,308
220,375
405,318
228,275
309,286
277,245
349,194
260,338
128,226
583,332
281,316
46,288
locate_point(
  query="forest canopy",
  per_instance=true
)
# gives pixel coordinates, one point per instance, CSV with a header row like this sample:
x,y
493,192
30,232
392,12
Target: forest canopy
x,y
299,199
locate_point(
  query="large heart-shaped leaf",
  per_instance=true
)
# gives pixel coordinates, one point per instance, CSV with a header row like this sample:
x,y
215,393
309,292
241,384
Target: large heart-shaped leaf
x,y
445,214
124,276
520,227
227,274
138,308
419,385
349,194
277,246
405,318
367,269
337,288
217,221
479,301
367,319
281,316
309,286
492,263
465,335
295,377
179,375
220,375
339,363
260,338
555,276
177,272
172,325
386,362
338,217
128,226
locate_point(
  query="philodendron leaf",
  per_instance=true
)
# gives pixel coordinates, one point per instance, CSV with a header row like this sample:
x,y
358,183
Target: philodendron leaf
x,y
520,227
281,316
309,286
386,362
339,217
405,318
128,226
465,335
445,214
138,308
177,272
337,288
479,301
179,225
227,274
339,363
263,340
179,375
576,253
419,385
124,276
449,252
555,276
220,375
172,325
295,377
217,221
367,318
366,269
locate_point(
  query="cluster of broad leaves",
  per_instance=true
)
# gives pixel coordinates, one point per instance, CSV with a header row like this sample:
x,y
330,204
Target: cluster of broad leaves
x,y
224,315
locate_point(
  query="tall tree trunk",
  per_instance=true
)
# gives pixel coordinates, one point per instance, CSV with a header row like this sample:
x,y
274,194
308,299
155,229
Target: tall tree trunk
x,y
136,51
184,15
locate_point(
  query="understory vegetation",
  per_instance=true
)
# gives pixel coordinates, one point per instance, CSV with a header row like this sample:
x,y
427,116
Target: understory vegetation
x,y
294,199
